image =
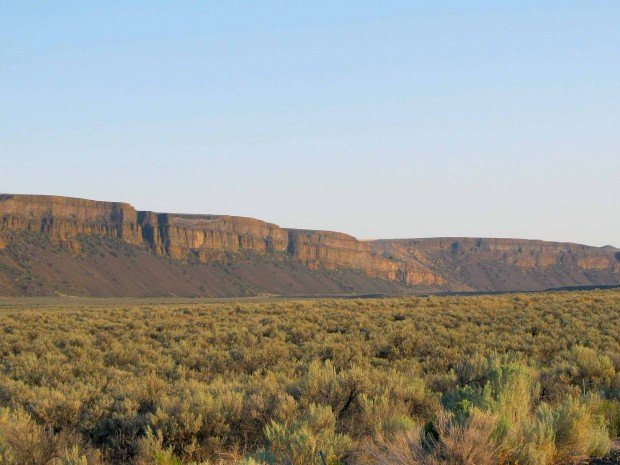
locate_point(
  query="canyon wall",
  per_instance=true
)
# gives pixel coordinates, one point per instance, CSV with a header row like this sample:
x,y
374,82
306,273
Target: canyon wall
x,y
64,218
482,263
438,263
524,254
183,237
336,250
203,237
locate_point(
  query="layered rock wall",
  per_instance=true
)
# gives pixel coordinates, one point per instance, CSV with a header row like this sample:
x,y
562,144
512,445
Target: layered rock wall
x,y
336,250
524,254
180,237
63,219
437,262
506,264
204,236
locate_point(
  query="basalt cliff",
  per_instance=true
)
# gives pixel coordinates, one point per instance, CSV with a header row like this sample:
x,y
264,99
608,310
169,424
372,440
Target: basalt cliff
x,y
60,245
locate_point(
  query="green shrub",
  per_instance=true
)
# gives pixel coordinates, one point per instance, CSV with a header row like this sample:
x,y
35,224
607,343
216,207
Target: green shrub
x,y
152,452
579,434
300,441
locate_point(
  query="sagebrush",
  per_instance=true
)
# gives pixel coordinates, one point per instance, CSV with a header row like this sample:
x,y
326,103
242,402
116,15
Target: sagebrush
x,y
531,379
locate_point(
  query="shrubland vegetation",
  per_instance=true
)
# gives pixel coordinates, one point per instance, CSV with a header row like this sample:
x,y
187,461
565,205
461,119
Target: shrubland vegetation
x,y
528,379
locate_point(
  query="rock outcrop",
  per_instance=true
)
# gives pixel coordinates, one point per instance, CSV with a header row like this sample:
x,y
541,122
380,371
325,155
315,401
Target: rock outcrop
x,y
65,218
439,263
524,254
337,250
482,263
205,236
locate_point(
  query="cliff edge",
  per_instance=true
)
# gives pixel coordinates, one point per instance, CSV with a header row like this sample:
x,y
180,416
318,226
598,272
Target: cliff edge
x,y
261,257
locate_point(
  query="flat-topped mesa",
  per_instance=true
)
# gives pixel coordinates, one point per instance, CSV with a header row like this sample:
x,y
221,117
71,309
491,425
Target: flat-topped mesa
x,y
333,251
449,263
524,254
201,237
64,218
205,236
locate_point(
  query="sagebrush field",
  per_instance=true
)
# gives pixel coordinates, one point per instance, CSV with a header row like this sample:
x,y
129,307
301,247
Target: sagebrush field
x,y
529,379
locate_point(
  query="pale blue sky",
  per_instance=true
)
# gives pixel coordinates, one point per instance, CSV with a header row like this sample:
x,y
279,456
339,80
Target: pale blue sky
x,y
381,119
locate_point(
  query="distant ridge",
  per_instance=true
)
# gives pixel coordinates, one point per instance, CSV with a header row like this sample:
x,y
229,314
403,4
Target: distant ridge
x,y
62,245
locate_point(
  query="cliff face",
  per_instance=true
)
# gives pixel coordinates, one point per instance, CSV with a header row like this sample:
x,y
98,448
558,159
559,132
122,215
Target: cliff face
x,y
336,250
63,218
439,263
177,236
524,254
483,263
205,236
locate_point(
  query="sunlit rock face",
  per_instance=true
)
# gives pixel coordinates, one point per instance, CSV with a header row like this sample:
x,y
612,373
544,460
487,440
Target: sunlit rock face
x,y
199,237
203,236
441,263
483,263
64,218
336,250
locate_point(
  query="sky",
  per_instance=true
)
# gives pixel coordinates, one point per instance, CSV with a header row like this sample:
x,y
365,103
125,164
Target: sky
x,y
381,119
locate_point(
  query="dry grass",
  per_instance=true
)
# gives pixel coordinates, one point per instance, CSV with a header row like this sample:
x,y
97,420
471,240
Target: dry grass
x,y
494,379
468,442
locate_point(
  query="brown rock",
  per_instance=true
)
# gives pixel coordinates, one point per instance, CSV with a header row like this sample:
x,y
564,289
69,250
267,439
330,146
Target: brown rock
x,y
506,264
448,263
337,250
64,218
203,236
